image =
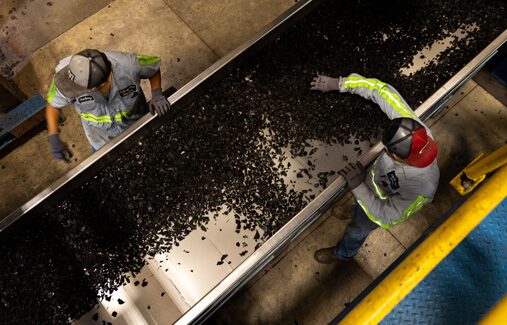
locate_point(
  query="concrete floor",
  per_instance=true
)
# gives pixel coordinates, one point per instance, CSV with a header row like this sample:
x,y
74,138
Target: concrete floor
x,y
189,36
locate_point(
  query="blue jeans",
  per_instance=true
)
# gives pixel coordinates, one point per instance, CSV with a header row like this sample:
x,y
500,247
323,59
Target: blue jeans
x,y
355,234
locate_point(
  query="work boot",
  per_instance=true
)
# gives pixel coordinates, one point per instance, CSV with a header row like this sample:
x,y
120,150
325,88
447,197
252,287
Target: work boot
x,y
326,256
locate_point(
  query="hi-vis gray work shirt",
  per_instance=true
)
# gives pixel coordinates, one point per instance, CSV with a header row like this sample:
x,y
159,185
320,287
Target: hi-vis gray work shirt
x,y
392,192
103,119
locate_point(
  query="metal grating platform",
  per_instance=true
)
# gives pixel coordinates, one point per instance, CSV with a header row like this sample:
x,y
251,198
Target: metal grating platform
x,y
466,284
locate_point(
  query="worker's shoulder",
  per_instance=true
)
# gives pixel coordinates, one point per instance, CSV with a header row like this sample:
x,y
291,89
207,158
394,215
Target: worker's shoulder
x,y
426,179
121,57
422,173
126,58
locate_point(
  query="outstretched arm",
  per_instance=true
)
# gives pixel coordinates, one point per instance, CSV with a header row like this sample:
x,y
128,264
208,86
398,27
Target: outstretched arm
x,y
386,96
382,94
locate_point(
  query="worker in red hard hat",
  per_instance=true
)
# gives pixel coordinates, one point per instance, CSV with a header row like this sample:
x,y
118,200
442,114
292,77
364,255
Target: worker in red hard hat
x,y
402,179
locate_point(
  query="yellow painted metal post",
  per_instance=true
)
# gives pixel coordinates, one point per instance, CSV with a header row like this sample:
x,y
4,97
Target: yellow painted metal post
x,y
465,185
476,171
487,163
433,250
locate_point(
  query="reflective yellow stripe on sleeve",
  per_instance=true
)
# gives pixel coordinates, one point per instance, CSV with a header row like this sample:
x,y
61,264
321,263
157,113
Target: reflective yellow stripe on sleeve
x,y
147,60
392,98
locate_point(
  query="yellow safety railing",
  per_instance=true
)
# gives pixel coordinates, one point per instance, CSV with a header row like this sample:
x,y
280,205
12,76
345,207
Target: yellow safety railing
x,y
434,249
498,315
476,171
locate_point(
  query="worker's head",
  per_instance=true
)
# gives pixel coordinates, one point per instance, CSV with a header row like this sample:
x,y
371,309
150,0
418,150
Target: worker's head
x,y
407,140
86,70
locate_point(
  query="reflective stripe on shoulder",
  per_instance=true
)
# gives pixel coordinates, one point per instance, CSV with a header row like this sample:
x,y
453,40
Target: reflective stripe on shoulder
x,y
147,60
392,98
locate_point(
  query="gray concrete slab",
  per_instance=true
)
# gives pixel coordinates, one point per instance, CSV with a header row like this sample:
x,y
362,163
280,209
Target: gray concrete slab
x,y
492,84
224,25
27,25
297,283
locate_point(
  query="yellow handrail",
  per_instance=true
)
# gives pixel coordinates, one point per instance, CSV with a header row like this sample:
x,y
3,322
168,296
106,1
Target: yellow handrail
x,y
497,315
487,163
433,250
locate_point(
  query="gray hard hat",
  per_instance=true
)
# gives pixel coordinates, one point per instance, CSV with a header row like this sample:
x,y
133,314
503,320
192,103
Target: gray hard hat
x,y
85,71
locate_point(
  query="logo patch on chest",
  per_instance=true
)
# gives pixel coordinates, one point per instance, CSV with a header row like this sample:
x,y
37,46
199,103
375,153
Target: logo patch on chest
x,y
84,99
127,90
394,180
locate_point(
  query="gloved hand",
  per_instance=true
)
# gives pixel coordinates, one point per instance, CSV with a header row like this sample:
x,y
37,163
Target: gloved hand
x,y
354,174
325,84
58,148
158,102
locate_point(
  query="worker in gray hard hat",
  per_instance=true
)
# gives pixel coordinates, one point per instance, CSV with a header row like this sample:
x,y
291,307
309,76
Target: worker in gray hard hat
x,y
402,179
105,89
